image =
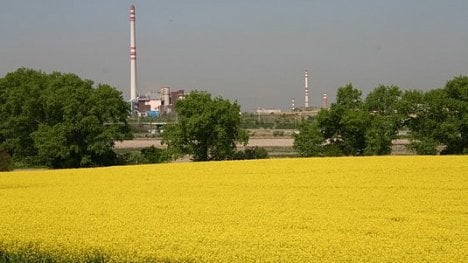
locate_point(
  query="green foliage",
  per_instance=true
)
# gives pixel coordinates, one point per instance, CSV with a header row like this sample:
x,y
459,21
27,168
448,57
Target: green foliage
x,y
351,126
131,158
426,147
379,135
207,128
385,120
154,155
5,160
310,140
438,117
435,119
60,120
144,156
348,97
250,153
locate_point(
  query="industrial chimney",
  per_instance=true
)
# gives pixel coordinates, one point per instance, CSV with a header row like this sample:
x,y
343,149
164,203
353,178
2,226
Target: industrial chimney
x,y
325,101
133,80
306,90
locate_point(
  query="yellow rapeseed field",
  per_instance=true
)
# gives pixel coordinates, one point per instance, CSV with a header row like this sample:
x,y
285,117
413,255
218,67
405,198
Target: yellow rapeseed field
x,y
392,209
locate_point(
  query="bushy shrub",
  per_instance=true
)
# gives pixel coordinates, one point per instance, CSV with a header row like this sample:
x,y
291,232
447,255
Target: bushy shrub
x,y
424,147
251,153
133,157
146,155
154,155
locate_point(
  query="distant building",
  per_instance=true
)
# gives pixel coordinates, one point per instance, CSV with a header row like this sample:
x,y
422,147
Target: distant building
x,y
268,111
177,95
149,105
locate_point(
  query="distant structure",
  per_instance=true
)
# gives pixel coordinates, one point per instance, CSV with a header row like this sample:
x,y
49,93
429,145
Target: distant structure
x,y
151,105
165,96
325,101
133,77
177,95
307,109
306,90
165,99
268,111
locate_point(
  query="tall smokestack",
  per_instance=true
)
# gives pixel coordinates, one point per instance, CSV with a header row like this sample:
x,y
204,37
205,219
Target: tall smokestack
x,y
133,80
306,90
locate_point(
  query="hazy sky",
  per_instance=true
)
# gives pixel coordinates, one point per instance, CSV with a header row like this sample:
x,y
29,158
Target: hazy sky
x,y
254,51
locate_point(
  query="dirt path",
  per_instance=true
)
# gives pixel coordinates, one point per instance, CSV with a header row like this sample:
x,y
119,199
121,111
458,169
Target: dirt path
x,y
141,143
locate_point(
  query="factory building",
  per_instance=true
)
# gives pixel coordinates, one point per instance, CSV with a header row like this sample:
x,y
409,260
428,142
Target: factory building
x,y
150,105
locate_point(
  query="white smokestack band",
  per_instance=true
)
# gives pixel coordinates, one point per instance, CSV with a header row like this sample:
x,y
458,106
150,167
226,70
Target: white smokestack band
x,y
133,80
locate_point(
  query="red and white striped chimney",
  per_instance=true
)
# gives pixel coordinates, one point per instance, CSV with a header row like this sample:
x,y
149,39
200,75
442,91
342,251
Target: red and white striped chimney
x,y
133,79
306,90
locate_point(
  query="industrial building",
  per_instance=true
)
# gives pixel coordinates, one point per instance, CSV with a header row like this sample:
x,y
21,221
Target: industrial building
x,y
150,105
153,105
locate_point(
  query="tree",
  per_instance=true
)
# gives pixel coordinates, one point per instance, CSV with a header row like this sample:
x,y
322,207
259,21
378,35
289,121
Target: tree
x,y
349,97
438,117
309,141
207,128
385,120
351,126
60,120
345,123
339,130
154,155
5,160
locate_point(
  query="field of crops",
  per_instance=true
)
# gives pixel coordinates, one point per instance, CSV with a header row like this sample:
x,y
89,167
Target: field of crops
x,y
321,209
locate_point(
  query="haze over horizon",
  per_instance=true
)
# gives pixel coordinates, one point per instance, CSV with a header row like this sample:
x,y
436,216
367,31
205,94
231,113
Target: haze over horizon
x,y
251,51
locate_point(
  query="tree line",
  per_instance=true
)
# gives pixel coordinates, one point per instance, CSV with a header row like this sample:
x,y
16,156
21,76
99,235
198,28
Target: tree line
x,y
60,120
355,126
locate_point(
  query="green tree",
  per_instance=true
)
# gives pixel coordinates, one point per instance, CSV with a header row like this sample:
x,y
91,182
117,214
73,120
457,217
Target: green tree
x,y
344,124
348,97
60,120
154,155
5,160
309,141
339,130
208,128
438,117
352,126
385,120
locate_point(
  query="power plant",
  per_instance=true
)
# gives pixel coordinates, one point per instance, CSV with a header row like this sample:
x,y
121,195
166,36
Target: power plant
x,y
150,104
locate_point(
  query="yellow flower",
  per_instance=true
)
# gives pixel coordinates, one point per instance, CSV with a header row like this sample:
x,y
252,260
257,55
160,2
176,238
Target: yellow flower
x,y
300,210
